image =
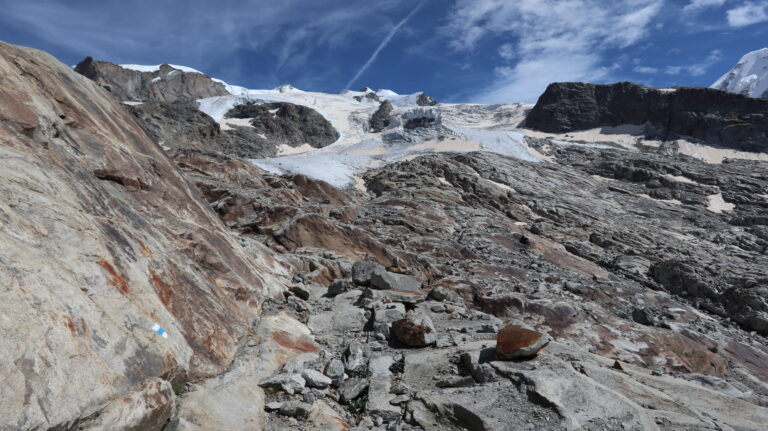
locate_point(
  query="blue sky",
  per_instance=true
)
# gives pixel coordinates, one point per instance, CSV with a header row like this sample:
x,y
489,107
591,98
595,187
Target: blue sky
x,y
489,51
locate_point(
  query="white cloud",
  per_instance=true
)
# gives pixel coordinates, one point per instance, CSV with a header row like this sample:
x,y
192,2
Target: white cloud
x,y
554,40
528,78
646,70
747,14
507,51
696,6
696,69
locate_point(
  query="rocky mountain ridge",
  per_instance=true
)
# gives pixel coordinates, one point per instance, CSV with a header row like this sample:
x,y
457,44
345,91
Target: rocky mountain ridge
x,y
165,83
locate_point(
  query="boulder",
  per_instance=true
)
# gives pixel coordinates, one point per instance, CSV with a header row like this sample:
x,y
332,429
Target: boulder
x,y
356,356
416,330
643,316
404,296
316,379
296,409
289,383
385,280
339,286
351,389
363,271
334,369
388,313
515,341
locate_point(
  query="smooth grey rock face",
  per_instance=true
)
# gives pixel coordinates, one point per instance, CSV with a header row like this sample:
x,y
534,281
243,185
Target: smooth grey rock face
x,y
379,393
116,231
343,316
392,281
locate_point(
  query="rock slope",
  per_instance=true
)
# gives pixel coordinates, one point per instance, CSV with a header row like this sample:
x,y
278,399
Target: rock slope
x,y
705,115
620,258
119,282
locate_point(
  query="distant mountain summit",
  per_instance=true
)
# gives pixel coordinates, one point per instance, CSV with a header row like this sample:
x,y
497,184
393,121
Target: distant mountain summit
x,y
749,77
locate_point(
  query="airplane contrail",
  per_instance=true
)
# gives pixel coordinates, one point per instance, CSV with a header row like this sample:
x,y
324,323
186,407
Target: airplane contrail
x,y
383,44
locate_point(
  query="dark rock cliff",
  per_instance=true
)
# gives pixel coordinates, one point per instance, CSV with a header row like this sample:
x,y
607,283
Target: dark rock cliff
x,y
286,123
709,116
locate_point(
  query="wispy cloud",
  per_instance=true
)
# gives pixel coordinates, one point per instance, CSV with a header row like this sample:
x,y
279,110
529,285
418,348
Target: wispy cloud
x,y
553,40
699,68
747,14
383,44
696,6
203,34
646,70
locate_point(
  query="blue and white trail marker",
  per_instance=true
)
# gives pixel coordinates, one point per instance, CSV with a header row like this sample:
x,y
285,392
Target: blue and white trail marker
x,y
160,331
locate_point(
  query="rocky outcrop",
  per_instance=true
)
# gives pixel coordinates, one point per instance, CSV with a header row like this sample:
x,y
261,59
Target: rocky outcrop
x,y
706,115
166,84
425,100
369,95
119,282
380,119
179,125
286,124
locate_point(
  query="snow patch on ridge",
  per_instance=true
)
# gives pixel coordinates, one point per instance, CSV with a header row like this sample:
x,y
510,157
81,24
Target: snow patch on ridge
x,y
155,68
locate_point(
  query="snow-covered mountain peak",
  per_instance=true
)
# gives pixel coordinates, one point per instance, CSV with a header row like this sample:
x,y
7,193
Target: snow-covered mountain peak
x,y
287,88
749,77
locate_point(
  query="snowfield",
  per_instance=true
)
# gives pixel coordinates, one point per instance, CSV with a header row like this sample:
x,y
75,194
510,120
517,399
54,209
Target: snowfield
x,y
456,127
459,128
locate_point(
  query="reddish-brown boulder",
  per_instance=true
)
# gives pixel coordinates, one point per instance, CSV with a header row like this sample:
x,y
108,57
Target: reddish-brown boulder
x,y
515,341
